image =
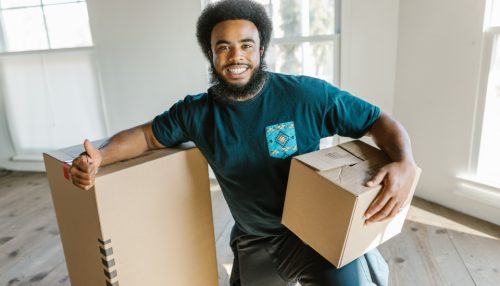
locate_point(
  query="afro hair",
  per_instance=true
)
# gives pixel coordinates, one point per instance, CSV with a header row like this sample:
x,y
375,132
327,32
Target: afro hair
x,y
232,10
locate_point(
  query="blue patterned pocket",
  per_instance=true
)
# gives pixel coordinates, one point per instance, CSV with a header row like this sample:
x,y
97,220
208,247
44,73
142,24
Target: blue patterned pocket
x,y
281,140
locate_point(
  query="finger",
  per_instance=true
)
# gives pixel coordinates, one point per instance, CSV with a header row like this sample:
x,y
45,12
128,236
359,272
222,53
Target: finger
x,y
82,182
395,211
378,203
90,150
81,186
82,164
384,213
378,178
82,175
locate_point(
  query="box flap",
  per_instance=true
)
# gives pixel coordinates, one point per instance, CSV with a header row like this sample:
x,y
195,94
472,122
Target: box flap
x,y
328,158
353,176
69,153
66,155
364,151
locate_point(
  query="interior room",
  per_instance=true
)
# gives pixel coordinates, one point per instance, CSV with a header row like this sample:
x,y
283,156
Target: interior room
x,y
72,70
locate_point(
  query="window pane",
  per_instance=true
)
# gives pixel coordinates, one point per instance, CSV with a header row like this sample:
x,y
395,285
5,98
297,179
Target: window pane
x,y
286,16
24,29
285,58
68,25
321,17
319,60
314,59
488,167
495,13
18,3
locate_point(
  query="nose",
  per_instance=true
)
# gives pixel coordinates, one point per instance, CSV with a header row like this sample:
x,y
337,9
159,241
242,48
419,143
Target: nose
x,y
236,55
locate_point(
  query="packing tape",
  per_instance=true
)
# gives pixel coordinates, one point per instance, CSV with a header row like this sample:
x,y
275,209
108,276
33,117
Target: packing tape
x,y
66,171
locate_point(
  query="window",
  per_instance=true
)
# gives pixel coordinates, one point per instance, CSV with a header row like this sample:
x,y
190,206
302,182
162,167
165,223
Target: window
x,y
488,168
305,37
27,25
48,86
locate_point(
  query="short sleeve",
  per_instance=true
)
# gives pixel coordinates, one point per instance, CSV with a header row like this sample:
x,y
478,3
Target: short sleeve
x,y
169,127
347,115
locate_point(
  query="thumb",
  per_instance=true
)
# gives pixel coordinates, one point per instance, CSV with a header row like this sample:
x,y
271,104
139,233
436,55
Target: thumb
x,y
377,179
89,148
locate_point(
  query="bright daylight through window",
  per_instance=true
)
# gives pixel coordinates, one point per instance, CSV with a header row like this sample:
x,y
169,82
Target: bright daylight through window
x,y
43,76
305,38
488,169
27,25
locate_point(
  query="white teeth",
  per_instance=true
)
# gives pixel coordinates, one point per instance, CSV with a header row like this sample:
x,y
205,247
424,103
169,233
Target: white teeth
x,y
237,70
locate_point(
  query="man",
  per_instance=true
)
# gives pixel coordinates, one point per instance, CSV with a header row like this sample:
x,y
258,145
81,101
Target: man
x,y
235,124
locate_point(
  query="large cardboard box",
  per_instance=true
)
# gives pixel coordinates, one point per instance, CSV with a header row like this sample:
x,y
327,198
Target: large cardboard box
x,y
147,221
327,197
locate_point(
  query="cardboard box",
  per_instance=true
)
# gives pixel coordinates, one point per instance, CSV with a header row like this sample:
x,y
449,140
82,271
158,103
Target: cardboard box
x,y
326,199
147,221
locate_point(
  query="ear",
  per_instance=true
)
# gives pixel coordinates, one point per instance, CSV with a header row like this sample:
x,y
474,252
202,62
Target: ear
x,y
261,51
209,53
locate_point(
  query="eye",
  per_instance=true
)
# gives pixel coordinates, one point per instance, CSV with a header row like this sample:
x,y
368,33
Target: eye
x,y
222,48
247,46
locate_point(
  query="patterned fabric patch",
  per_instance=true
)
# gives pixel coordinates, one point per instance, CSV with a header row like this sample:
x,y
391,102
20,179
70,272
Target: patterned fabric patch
x,y
281,140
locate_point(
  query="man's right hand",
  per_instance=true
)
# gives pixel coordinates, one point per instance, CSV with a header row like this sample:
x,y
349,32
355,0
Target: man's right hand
x,y
84,167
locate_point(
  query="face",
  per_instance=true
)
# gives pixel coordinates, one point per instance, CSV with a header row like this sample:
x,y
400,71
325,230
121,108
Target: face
x,y
235,51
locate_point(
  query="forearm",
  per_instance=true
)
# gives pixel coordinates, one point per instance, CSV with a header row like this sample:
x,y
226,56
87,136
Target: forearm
x,y
128,144
392,138
397,177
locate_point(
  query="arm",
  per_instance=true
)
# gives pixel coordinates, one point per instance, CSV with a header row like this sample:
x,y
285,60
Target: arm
x,y
397,177
123,145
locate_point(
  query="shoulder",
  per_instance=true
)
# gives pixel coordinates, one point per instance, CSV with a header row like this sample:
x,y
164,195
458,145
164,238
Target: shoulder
x,y
296,80
191,103
303,87
301,84
196,99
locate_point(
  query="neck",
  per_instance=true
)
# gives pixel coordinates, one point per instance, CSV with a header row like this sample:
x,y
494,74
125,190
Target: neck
x,y
249,96
231,94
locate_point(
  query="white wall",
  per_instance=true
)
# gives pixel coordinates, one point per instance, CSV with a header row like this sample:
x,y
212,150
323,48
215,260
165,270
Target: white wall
x,y
420,60
6,148
368,50
147,55
439,56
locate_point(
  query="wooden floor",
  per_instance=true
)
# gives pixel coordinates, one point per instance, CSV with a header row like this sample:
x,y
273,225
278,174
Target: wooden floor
x,y
437,246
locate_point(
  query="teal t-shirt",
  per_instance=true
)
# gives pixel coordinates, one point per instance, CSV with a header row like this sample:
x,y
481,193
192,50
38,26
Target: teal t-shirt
x,y
249,144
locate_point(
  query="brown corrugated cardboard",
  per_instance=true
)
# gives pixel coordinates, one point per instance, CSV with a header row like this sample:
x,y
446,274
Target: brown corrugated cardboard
x,y
147,221
327,197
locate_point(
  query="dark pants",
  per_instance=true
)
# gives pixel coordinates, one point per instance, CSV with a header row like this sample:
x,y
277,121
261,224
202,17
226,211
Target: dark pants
x,y
285,259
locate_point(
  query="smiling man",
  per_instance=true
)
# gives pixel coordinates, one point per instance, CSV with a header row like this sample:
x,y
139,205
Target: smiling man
x,y
235,53
248,125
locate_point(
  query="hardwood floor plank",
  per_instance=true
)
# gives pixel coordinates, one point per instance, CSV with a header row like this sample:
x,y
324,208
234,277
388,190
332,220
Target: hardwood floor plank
x,y
220,212
58,276
35,261
424,255
224,255
481,255
432,214
23,192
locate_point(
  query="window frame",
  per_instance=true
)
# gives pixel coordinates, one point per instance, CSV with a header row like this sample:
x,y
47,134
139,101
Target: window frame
x,y
41,5
334,38
490,41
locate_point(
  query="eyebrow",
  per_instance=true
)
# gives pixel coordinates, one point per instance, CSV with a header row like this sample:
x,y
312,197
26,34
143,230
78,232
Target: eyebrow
x,y
219,42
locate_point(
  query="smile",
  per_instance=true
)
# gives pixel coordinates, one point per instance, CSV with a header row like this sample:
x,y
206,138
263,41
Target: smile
x,y
237,70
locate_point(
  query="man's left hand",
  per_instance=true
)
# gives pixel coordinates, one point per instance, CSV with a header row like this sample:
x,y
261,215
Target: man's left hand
x,y
396,179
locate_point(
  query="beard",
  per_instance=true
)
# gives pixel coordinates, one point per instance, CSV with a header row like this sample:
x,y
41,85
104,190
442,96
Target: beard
x,y
228,92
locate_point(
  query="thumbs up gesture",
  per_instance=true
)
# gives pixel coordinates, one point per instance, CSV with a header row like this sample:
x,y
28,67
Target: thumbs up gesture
x,y
84,167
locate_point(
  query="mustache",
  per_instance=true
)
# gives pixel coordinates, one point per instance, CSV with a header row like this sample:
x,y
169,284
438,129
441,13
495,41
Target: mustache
x,y
236,64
